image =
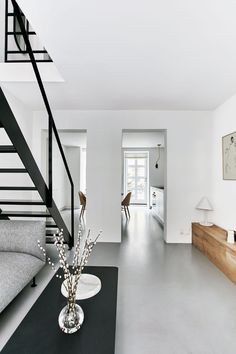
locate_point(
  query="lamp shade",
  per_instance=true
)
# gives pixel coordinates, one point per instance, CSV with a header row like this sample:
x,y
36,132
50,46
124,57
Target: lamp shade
x,y
204,204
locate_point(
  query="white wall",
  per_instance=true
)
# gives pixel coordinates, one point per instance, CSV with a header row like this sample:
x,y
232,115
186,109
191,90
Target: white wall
x,y
70,138
83,169
22,114
188,167
224,192
72,154
59,178
134,139
103,179
156,175
75,143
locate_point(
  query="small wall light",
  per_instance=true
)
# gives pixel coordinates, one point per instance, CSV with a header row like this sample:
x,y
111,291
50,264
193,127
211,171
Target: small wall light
x,y
158,155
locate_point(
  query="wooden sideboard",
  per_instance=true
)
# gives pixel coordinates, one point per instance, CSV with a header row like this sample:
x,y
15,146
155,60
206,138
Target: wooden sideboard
x,y
212,242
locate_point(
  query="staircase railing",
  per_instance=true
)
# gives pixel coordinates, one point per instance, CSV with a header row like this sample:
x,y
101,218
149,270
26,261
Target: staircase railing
x,y
51,123
15,50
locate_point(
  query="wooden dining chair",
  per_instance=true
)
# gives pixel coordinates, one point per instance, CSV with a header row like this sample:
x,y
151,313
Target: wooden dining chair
x,y
82,200
125,203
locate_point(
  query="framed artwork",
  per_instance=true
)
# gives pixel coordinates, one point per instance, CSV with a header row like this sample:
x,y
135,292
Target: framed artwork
x,y
229,156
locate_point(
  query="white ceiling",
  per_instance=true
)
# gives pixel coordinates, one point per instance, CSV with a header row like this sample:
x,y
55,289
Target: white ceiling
x,y
136,54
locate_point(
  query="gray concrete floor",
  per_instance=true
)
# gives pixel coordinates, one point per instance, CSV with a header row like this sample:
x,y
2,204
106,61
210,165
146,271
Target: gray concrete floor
x,y
171,299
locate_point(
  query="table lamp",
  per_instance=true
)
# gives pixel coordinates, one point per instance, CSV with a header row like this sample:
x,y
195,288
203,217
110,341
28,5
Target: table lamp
x,y
206,206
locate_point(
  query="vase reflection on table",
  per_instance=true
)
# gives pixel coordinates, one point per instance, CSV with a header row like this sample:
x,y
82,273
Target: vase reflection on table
x,y
71,316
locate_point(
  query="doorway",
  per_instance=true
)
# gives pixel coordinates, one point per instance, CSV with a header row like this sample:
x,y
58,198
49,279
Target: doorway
x,y
144,165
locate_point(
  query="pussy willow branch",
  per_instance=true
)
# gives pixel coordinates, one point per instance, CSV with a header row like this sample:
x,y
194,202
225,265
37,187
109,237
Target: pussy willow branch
x,y
71,277
77,249
84,259
59,242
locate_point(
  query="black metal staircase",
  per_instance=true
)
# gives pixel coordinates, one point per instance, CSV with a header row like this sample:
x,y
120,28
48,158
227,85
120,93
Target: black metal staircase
x,y
20,147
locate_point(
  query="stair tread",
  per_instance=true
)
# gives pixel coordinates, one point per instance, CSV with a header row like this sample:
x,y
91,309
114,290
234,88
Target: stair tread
x,y
13,170
15,188
7,148
52,242
21,202
25,213
51,224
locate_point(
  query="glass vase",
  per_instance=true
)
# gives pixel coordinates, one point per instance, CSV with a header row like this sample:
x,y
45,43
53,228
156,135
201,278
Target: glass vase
x,y
71,317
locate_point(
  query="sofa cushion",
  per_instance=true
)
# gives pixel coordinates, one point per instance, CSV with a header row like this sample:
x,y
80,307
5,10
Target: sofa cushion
x,y
16,271
22,236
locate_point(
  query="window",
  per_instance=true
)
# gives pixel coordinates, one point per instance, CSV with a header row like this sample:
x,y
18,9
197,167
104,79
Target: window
x,y
136,176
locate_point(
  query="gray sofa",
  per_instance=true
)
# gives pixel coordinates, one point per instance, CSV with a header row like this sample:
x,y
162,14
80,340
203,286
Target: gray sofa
x,y
20,257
